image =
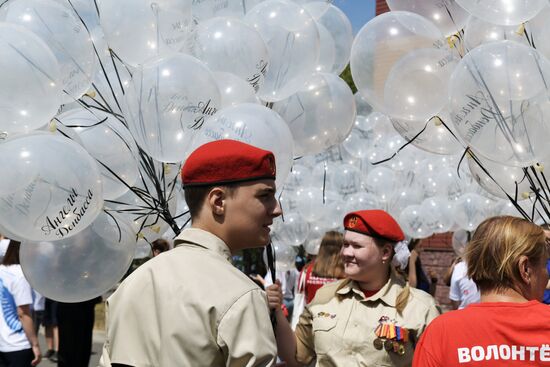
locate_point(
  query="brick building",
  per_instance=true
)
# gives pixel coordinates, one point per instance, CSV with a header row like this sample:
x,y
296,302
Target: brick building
x,y
438,254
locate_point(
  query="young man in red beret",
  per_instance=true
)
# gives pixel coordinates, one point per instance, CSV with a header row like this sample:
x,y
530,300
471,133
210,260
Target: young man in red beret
x,y
371,318
190,306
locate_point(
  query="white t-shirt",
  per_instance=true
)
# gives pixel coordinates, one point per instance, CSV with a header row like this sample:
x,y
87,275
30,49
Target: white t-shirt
x,y
463,289
38,301
14,291
4,247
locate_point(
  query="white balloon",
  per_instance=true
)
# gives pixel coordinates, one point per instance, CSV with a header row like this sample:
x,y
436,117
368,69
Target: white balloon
x,y
337,24
141,30
234,90
500,12
252,124
30,92
438,211
203,10
60,28
412,222
293,42
382,42
232,46
84,266
319,115
469,211
381,182
53,190
293,231
110,143
167,101
447,15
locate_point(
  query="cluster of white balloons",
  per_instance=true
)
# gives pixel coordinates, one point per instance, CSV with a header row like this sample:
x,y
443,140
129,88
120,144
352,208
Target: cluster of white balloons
x,y
450,75
102,103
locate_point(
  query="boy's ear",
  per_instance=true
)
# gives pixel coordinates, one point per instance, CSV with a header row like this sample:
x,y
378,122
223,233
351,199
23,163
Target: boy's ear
x,y
216,200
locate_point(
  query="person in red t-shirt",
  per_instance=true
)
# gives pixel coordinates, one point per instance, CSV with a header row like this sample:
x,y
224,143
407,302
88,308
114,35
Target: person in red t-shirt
x,y
507,260
327,266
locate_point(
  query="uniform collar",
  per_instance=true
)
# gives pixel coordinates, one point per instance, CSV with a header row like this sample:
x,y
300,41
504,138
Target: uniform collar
x,y
205,239
388,294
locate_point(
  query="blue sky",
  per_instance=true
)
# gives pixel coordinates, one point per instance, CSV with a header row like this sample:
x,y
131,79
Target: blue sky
x,y
359,12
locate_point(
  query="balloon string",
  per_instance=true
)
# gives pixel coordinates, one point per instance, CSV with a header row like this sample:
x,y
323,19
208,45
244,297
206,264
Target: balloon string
x,y
404,145
324,181
97,55
117,225
512,200
271,265
81,126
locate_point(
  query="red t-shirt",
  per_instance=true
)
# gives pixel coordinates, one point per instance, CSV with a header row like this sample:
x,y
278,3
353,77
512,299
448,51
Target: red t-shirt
x,y
313,283
487,335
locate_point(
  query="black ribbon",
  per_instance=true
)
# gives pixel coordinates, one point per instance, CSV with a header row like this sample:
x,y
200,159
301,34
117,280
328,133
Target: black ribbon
x,y
270,252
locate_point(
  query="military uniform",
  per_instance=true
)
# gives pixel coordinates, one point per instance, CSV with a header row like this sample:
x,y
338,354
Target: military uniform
x,y
168,314
338,327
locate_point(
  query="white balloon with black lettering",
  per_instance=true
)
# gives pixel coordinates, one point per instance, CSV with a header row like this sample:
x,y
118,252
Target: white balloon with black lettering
x,y
84,266
293,42
167,102
61,29
53,190
499,102
232,46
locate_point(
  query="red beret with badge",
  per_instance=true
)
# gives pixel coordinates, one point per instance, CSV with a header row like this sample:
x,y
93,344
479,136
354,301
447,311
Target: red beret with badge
x,y
227,161
374,223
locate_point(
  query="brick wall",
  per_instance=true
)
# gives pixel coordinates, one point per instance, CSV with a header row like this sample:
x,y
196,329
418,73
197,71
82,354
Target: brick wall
x,y
437,257
381,7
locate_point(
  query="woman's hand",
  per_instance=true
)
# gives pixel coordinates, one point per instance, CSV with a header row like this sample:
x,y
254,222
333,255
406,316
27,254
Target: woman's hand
x,y
274,295
37,355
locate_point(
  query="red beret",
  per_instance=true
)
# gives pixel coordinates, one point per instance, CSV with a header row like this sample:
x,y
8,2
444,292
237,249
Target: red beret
x,y
374,223
227,161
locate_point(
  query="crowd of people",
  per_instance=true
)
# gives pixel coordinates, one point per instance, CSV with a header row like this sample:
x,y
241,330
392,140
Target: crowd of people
x,y
363,300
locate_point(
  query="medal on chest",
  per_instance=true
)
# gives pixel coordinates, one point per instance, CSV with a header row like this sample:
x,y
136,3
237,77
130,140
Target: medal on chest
x,y
390,337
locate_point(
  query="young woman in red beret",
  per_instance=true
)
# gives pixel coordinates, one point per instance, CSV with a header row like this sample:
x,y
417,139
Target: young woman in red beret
x,y
370,318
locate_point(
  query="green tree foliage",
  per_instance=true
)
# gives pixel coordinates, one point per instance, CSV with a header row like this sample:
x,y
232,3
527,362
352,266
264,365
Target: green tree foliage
x,y
346,75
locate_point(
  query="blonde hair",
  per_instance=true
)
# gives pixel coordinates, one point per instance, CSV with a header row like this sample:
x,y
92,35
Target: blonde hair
x,y
328,263
496,247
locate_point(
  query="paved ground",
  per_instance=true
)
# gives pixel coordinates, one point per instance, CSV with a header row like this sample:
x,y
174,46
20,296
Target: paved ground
x,y
96,349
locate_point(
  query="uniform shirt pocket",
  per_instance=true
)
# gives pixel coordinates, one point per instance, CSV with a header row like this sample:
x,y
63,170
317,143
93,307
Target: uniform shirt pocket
x,y
324,335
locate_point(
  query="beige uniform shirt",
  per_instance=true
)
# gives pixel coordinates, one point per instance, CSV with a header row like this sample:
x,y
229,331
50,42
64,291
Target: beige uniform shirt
x,y
189,307
338,326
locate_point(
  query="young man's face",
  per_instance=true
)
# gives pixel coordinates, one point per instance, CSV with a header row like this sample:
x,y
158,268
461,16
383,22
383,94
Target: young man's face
x,y
250,211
